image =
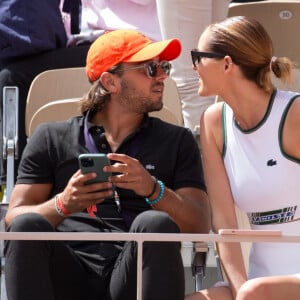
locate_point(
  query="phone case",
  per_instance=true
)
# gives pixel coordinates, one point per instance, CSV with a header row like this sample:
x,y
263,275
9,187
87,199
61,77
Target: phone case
x,y
94,162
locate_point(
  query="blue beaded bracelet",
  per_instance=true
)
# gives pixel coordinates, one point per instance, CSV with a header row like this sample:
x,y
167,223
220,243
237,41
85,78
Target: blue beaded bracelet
x,y
161,194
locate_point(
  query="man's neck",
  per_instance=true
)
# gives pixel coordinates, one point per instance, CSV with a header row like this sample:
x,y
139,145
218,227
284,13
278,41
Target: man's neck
x,y
116,127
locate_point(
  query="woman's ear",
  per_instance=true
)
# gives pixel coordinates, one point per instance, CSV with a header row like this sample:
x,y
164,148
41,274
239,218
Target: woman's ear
x,y
108,81
227,62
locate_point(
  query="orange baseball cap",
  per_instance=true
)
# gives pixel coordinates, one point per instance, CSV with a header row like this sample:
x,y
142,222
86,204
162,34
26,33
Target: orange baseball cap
x,y
126,45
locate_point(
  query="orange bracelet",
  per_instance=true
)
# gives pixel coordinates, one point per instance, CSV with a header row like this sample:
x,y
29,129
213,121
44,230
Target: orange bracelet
x,y
60,208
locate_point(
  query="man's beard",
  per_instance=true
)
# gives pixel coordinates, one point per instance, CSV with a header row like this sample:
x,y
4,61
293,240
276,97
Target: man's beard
x,y
139,103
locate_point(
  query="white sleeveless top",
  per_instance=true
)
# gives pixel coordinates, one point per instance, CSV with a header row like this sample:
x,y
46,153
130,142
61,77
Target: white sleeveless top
x,y
265,183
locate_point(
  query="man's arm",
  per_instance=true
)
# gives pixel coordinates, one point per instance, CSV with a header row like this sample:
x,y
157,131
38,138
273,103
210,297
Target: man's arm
x,y
32,198
75,197
187,206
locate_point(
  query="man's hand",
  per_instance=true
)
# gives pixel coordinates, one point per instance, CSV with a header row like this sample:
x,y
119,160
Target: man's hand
x,y
131,174
77,195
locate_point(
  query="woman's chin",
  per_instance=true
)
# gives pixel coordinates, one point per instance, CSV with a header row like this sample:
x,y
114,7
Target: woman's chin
x,y
201,92
204,93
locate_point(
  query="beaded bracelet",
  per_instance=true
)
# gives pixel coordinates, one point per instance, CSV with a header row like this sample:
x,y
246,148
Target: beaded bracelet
x,y
154,188
59,206
161,194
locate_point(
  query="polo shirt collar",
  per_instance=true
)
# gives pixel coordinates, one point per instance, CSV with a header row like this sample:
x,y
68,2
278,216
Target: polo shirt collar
x,y
145,123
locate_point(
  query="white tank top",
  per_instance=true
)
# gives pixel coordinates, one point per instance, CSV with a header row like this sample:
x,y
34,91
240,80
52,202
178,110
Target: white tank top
x,y
265,183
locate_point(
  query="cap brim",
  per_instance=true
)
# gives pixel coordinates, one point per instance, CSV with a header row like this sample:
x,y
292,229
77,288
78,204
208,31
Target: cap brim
x,y
165,50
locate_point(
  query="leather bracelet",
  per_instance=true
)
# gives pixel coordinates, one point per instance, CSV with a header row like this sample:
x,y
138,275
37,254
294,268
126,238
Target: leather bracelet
x,y
160,196
59,206
154,188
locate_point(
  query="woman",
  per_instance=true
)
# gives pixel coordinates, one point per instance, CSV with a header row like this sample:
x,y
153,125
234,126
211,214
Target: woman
x,y
251,156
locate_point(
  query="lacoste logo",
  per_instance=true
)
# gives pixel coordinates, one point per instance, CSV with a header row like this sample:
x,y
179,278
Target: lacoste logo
x,y
150,167
271,162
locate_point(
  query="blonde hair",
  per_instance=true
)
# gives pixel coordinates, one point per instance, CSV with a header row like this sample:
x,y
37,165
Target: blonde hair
x,y
250,47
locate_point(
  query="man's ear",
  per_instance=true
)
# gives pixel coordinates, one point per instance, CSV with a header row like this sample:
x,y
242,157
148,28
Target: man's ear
x,y
108,81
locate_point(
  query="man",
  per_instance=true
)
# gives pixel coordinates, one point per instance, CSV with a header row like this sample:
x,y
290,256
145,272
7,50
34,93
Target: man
x,y
156,186
57,34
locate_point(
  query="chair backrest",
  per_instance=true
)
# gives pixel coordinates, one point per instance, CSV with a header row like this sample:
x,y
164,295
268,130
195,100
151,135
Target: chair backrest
x,y
281,19
54,85
70,83
171,99
63,109
58,110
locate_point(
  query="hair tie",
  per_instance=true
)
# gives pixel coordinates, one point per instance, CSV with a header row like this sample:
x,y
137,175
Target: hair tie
x,y
273,59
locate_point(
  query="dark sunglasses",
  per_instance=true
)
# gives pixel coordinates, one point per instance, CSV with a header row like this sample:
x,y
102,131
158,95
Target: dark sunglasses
x,y
151,67
197,55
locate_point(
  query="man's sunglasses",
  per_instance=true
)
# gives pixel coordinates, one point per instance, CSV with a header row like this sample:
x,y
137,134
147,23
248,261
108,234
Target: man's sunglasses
x,y
151,67
197,55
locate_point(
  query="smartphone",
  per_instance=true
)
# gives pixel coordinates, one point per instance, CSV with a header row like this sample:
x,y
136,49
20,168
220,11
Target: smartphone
x,y
94,162
251,232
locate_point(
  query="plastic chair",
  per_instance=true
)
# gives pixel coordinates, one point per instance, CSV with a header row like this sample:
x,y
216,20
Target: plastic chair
x,y
63,109
70,83
54,85
281,19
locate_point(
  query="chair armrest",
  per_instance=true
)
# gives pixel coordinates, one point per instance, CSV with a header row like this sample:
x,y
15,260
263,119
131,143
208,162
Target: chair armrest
x,y
10,134
198,264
